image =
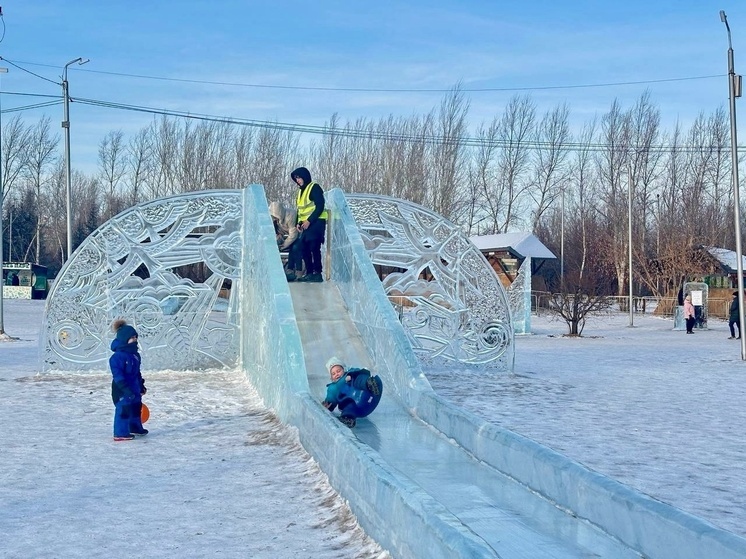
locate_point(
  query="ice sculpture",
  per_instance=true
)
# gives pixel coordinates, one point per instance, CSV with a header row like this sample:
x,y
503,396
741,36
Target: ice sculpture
x,y
126,268
453,305
519,295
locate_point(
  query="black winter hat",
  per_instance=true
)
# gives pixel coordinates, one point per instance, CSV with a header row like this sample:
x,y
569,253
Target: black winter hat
x,y
303,173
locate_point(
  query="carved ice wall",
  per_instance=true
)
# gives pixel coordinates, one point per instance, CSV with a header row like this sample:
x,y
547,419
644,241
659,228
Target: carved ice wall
x,y
519,295
127,268
462,312
181,324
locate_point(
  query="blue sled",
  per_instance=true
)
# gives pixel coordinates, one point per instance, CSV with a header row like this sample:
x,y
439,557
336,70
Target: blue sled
x,y
355,402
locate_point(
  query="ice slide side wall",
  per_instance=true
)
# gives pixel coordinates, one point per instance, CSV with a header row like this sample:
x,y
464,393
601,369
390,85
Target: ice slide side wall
x,y
391,509
655,529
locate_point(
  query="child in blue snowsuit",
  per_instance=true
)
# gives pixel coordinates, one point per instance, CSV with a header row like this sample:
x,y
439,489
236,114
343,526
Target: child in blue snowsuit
x,y
354,391
127,385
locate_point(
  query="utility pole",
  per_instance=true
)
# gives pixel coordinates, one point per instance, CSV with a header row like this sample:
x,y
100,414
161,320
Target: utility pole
x,y
2,197
66,126
734,90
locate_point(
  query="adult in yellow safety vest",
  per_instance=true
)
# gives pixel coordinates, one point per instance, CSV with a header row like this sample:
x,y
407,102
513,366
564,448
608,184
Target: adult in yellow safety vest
x,y
312,217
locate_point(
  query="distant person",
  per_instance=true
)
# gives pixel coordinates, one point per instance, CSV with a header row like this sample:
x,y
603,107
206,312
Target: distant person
x,y
354,391
689,314
311,219
286,235
127,385
734,319
15,280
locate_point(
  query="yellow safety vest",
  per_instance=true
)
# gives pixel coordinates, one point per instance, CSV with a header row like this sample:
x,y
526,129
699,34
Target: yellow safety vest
x,y
306,205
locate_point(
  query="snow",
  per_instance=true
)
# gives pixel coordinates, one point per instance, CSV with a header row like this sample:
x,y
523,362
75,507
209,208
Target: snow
x,y
525,244
661,411
218,475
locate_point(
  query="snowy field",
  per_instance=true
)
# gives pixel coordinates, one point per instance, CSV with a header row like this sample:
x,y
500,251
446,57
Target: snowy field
x,y
656,409
660,411
217,476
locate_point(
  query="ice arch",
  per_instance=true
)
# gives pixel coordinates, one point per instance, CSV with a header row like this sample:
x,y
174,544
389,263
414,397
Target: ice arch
x,y
126,268
456,307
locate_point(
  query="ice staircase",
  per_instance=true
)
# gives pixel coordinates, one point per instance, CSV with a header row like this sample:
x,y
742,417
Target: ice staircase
x,y
425,478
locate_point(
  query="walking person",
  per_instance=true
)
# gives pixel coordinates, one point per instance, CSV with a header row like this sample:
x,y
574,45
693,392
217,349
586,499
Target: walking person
x,y
312,217
689,314
734,318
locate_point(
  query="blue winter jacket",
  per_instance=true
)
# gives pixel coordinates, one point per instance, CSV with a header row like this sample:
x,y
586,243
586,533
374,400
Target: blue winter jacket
x,y
125,371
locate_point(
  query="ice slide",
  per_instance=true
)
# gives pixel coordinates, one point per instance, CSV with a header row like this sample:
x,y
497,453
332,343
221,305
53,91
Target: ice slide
x,y
424,478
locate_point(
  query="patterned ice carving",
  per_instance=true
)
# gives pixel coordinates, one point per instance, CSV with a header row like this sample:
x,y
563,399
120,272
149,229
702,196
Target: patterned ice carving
x,y
452,303
126,269
519,295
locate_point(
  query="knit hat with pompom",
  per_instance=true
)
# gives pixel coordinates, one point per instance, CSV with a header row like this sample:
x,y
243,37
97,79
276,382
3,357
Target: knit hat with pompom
x,y
123,330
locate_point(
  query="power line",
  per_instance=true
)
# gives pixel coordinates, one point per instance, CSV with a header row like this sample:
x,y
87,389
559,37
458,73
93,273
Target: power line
x,y
22,69
369,133
34,106
408,90
383,90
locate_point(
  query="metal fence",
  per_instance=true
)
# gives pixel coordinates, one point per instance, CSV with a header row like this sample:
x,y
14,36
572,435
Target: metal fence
x,y
658,306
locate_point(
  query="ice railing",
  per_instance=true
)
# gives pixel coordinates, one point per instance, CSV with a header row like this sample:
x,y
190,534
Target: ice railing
x,y
519,296
271,349
454,305
127,269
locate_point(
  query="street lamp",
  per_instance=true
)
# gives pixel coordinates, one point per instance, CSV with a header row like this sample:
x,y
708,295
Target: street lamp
x,y
66,126
2,196
734,90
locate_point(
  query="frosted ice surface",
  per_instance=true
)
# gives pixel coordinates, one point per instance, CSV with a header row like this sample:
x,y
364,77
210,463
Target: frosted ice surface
x,y
459,309
126,269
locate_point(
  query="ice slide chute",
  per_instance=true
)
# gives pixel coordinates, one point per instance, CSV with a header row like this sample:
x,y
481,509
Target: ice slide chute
x,y
427,479
424,478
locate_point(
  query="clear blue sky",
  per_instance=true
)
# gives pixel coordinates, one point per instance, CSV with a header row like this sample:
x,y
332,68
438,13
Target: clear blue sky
x,y
420,44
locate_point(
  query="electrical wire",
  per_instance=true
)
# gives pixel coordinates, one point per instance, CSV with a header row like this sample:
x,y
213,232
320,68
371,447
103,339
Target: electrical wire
x,y
22,69
34,106
409,90
388,90
376,135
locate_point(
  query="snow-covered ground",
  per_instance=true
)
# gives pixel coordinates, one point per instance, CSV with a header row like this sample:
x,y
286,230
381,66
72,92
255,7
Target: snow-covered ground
x,y
218,476
659,410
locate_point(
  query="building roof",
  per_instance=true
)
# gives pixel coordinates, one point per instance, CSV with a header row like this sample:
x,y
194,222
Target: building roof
x,y
520,244
727,258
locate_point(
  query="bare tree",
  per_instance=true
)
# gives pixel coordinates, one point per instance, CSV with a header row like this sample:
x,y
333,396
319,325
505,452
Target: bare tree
x,y
448,159
112,168
41,157
613,169
514,134
15,152
575,307
139,163
270,162
550,168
